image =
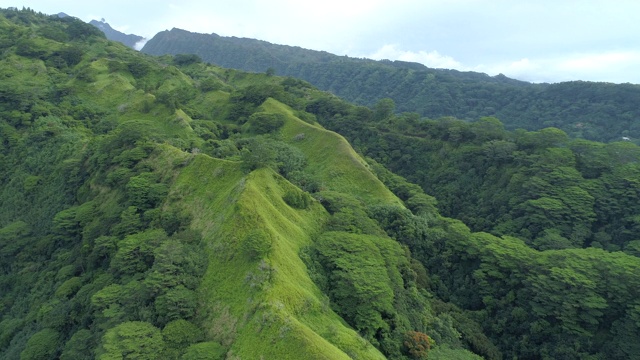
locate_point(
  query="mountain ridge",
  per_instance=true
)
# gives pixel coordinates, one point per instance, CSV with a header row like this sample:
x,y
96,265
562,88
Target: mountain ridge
x,y
594,111
284,53
165,207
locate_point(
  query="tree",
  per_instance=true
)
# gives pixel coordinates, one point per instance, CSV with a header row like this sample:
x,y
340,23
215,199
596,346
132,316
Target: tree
x,y
209,350
72,55
79,347
258,154
133,340
42,345
359,282
177,303
179,334
186,59
417,344
488,128
130,222
297,199
136,252
79,30
144,192
263,123
383,109
65,223
289,159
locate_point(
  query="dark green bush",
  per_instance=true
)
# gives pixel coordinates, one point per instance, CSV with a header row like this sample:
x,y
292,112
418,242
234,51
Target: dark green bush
x,y
264,123
297,199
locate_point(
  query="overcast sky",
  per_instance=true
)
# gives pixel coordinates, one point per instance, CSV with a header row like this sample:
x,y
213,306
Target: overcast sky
x,y
532,40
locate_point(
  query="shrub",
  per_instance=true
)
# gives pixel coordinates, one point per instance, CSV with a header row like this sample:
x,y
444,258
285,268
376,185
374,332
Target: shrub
x,y
297,199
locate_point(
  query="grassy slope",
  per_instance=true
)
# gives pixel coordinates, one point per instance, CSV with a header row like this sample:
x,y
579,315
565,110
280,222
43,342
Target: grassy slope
x,y
258,308
270,307
266,307
331,158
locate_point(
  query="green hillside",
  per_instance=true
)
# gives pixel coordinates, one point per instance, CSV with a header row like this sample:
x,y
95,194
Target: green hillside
x,y
594,111
164,208
161,208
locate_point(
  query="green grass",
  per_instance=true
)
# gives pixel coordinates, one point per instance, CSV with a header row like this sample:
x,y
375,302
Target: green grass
x,y
331,158
255,306
270,306
261,307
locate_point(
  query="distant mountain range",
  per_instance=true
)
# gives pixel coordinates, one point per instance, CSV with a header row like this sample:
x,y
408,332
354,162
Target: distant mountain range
x,y
112,34
258,55
595,111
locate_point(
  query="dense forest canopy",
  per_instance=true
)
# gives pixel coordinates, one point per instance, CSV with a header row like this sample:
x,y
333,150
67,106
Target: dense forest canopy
x,y
161,207
594,111
544,187
546,208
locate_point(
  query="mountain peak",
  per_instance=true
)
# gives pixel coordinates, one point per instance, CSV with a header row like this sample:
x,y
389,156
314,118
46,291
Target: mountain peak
x,y
130,40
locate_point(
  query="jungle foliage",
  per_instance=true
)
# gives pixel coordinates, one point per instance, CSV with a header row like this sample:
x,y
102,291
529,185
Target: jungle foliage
x,y
163,207
548,213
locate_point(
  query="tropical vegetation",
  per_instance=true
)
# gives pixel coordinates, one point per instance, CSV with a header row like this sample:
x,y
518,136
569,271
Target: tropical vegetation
x,y
165,208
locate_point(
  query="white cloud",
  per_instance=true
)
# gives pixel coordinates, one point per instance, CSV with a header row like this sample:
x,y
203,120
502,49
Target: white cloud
x,y
613,66
333,8
523,69
431,59
140,44
601,61
122,28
